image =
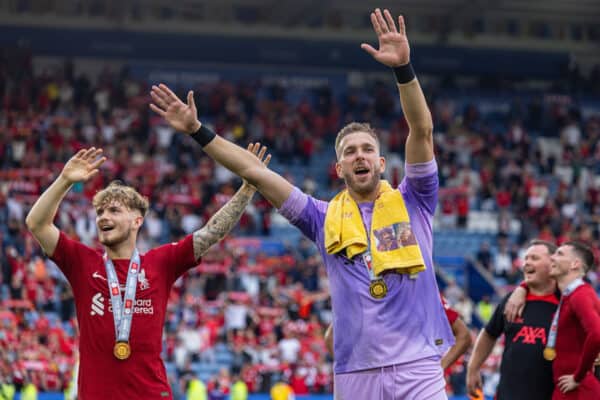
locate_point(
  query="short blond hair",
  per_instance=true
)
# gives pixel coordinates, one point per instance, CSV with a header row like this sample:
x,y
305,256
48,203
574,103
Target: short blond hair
x,y
354,127
121,193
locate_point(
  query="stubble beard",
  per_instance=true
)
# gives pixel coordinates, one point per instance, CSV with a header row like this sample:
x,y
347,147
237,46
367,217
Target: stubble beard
x,y
115,240
363,188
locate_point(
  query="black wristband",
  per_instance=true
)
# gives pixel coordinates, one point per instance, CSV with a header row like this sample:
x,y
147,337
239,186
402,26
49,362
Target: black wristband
x,y
203,136
404,73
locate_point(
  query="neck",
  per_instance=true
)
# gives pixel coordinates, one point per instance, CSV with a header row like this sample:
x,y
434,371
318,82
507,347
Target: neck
x,y
564,281
542,289
367,197
120,251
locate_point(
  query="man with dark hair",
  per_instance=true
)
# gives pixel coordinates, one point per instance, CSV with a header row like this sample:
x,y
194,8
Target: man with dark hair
x,y
390,328
574,340
525,338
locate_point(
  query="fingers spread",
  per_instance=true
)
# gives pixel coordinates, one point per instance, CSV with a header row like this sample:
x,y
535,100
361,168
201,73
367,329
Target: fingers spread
x,y
157,110
88,153
98,163
375,24
401,26
168,93
190,100
389,20
381,21
158,99
262,152
80,153
369,49
267,160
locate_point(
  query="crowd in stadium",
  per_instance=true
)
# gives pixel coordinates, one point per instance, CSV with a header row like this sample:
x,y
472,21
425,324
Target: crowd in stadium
x,y
537,163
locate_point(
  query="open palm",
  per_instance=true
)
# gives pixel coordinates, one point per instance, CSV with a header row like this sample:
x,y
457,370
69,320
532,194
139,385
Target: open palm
x,y
182,117
83,165
394,50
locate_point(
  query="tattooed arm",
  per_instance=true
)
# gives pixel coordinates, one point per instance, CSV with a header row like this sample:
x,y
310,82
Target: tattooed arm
x,y
221,223
223,220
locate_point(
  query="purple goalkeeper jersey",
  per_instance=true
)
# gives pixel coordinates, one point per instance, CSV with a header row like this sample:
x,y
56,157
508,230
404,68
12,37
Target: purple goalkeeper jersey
x,y
406,325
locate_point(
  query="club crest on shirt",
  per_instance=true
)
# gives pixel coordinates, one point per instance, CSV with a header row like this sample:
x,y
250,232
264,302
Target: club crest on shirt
x,y
142,280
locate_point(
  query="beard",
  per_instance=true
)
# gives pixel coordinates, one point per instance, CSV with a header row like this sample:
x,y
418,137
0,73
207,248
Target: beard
x,y
364,187
114,239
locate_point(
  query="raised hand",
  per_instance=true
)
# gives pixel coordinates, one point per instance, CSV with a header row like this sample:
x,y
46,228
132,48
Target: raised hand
x,y
254,149
83,165
182,117
394,50
259,151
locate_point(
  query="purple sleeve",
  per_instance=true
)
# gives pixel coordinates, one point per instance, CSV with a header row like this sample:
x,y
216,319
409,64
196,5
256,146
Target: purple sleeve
x,y
305,212
421,183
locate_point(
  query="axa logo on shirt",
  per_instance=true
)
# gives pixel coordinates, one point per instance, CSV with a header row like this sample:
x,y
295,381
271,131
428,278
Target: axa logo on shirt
x,y
530,334
139,306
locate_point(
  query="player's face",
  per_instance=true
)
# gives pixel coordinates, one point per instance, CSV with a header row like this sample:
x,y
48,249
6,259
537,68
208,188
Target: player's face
x,y
562,260
360,164
116,223
536,267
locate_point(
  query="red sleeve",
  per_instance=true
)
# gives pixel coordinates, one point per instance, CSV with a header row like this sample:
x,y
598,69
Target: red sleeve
x,y
176,257
523,284
68,253
451,313
586,306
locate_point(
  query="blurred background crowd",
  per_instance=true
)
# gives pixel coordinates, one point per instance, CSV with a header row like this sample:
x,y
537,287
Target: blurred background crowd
x,y
518,160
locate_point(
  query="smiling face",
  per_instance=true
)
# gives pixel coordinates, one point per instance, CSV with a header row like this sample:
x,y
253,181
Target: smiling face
x,y
360,164
120,211
117,224
564,261
536,266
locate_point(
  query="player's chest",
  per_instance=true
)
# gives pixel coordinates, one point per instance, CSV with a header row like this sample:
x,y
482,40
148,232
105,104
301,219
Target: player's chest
x,y
100,296
144,279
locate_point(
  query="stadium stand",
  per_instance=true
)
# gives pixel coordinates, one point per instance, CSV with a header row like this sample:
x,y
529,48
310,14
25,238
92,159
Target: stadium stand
x,y
518,160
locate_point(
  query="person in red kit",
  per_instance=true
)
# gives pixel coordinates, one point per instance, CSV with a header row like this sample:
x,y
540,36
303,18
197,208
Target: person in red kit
x,y
120,294
574,338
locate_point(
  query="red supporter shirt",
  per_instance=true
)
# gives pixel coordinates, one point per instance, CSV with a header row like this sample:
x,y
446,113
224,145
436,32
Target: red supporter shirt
x,y
578,343
451,314
101,375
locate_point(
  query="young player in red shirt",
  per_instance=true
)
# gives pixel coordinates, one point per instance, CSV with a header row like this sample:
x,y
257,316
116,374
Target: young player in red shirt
x,y
574,339
120,341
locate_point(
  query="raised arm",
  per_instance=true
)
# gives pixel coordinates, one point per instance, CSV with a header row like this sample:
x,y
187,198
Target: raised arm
x,y
221,223
394,52
184,118
81,167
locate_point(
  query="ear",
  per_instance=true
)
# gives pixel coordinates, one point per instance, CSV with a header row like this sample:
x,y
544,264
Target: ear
x,y
138,221
381,165
338,170
577,264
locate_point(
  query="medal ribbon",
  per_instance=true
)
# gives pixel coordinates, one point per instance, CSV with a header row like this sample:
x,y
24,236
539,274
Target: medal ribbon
x,y
554,327
122,308
368,260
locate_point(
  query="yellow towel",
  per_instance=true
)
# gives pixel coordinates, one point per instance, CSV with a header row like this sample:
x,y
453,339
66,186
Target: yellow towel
x,y
393,245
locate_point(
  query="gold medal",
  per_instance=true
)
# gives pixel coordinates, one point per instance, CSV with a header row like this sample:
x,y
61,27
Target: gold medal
x,y
549,353
378,289
122,350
